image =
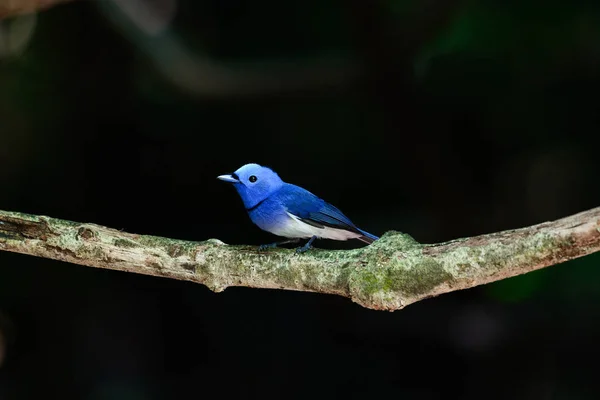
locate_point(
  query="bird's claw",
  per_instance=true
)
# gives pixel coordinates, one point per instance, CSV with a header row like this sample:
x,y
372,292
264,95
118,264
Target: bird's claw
x,y
303,249
307,246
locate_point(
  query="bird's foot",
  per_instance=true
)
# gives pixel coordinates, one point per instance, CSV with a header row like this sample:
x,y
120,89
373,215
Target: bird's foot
x,y
263,247
276,244
306,247
303,249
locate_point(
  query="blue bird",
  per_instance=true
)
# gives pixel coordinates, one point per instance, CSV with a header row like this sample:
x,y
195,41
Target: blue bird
x,y
290,211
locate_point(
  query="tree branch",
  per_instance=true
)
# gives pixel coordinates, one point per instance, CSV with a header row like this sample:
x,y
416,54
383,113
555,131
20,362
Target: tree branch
x,y
390,274
11,8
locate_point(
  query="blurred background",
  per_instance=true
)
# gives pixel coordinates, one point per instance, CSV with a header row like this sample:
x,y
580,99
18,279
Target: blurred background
x,y
442,119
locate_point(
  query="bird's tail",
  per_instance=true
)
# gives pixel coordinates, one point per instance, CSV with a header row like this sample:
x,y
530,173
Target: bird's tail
x,y
367,237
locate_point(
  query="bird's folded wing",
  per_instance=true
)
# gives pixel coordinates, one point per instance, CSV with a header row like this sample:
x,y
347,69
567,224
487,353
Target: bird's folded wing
x,y
316,212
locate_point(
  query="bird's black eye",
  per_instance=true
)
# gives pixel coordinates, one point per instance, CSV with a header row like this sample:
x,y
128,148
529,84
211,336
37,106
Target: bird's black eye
x,y
252,178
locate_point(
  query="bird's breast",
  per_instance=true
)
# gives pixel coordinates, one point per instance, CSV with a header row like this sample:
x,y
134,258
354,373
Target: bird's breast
x,y
275,219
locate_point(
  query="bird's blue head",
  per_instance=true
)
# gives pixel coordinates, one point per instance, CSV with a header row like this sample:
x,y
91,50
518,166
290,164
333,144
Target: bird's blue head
x,y
254,183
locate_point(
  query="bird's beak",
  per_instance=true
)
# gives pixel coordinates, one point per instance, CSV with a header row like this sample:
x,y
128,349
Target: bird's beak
x,y
228,178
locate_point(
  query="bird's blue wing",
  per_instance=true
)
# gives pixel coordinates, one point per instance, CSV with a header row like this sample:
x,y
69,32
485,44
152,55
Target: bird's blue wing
x,y
313,210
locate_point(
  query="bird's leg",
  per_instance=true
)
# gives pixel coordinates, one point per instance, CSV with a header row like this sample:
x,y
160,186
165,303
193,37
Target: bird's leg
x,y
307,246
273,245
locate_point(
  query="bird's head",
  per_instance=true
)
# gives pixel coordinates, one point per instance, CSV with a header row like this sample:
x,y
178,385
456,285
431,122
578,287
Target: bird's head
x,y
254,183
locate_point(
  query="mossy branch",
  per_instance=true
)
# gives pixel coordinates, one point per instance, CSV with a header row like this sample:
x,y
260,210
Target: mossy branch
x,y
390,274
11,8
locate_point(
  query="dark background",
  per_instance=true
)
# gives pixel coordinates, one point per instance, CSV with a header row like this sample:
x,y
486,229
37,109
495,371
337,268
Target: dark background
x,y
441,119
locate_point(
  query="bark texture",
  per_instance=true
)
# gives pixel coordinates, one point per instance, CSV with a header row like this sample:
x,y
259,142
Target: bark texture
x,y
390,274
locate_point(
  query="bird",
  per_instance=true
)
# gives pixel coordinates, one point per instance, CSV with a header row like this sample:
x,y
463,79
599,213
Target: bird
x,y
289,211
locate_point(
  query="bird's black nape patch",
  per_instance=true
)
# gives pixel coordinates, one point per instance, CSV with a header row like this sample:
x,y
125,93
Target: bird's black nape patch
x,y
254,207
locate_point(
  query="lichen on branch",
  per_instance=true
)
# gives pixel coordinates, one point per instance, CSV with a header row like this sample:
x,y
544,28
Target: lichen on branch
x,y
390,274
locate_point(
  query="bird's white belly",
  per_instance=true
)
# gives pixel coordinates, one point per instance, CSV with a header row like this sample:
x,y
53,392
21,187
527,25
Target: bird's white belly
x,y
293,227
